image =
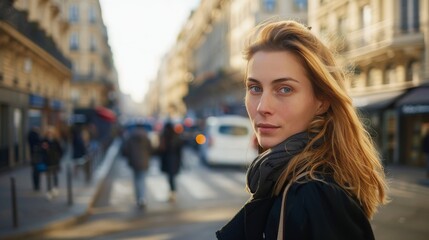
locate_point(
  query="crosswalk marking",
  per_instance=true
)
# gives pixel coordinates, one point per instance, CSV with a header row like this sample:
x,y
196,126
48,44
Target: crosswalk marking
x,y
196,182
122,191
158,187
196,187
225,183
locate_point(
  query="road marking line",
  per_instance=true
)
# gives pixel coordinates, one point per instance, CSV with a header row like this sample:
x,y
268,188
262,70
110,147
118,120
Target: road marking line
x,y
229,185
158,187
121,192
196,187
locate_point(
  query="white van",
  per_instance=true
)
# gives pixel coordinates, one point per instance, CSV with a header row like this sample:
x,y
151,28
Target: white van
x,y
229,140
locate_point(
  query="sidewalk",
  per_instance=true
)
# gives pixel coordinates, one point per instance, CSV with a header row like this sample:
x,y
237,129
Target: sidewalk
x,y
413,175
35,212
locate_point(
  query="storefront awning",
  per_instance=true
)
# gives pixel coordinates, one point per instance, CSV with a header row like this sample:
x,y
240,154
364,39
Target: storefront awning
x,y
106,114
415,97
377,102
415,101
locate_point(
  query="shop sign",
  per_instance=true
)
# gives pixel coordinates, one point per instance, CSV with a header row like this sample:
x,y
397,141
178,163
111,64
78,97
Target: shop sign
x,y
56,104
415,109
36,101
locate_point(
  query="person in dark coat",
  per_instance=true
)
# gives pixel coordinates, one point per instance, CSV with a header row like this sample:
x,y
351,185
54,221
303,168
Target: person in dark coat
x,y
79,147
171,156
52,153
137,149
318,175
34,139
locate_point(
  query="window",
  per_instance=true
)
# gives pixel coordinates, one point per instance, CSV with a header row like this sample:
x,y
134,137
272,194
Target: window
x,y
74,41
366,20
73,14
75,95
93,44
269,5
92,15
410,15
413,71
233,130
92,70
390,75
300,5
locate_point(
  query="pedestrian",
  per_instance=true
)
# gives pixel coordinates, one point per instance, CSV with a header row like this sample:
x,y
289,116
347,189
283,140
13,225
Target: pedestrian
x,y
425,150
52,153
318,175
79,147
37,166
137,149
171,156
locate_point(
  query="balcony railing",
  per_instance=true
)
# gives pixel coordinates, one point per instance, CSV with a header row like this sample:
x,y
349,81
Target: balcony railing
x,y
19,20
93,78
375,35
379,35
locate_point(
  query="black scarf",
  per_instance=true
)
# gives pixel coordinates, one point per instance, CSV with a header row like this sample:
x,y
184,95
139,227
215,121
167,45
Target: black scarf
x,y
249,222
267,167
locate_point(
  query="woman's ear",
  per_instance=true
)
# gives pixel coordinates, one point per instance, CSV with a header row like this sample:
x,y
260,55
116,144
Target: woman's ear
x,y
323,107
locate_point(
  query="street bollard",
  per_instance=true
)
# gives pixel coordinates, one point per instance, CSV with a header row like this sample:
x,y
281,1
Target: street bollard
x,y
14,203
69,186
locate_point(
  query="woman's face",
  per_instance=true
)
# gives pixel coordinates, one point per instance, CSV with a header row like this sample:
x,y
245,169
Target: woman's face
x,y
280,99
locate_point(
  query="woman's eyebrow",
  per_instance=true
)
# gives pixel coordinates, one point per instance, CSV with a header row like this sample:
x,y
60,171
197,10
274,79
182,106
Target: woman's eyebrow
x,y
275,81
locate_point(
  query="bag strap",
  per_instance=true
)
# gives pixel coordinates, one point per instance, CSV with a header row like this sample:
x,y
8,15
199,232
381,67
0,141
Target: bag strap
x,y
281,221
280,231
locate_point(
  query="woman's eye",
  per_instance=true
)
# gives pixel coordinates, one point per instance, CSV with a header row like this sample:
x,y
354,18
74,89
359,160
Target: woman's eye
x,y
285,90
254,88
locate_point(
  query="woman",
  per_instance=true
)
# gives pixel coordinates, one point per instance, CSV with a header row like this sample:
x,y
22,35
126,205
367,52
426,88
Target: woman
x,y
318,176
52,154
171,156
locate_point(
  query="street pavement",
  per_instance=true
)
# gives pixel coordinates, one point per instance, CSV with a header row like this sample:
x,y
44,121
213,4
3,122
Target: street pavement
x,y
35,212
38,214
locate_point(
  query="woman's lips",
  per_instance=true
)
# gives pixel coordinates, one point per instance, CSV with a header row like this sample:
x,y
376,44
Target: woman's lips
x,y
266,128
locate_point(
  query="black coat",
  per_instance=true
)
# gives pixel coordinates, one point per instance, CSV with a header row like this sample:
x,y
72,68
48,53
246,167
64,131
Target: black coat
x,y
137,149
52,152
78,144
313,211
171,153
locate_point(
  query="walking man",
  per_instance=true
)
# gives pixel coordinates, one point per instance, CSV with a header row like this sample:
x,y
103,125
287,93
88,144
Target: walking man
x,y
137,149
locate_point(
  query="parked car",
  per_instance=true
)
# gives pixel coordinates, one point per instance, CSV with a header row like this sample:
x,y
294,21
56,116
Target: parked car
x,y
228,140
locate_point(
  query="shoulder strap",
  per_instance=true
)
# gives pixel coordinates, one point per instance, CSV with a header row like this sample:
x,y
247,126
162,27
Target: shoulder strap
x,y
280,231
282,210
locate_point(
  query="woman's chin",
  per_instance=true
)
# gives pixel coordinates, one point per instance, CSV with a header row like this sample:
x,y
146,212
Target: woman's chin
x,y
268,143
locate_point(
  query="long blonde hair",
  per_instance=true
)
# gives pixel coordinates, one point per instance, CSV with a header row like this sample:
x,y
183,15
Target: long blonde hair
x,y
347,150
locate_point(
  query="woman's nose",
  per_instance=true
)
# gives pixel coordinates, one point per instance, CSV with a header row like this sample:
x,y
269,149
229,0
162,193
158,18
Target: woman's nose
x,y
265,104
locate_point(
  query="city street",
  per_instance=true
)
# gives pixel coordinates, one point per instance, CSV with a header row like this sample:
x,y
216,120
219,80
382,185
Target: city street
x,y
207,198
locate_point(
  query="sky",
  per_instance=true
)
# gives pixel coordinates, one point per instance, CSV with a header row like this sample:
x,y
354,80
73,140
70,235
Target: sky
x,y
140,33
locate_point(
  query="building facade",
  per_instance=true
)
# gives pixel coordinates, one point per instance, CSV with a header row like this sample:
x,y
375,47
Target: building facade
x,y
34,73
207,62
94,77
384,44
